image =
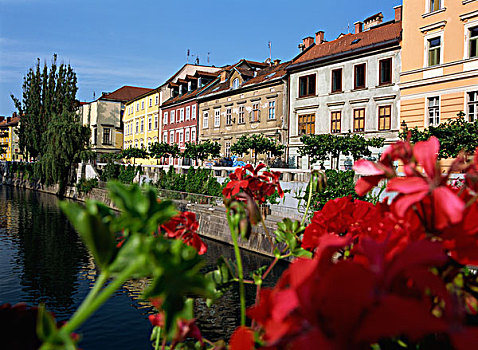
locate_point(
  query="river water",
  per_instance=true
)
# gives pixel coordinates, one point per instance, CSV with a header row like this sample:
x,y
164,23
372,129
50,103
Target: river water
x,y
42,259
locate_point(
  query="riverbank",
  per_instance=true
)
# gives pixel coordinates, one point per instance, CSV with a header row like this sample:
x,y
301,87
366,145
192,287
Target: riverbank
x,y
212,219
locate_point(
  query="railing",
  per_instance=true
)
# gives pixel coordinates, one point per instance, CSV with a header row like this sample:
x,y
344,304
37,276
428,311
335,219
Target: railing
x,y
190,197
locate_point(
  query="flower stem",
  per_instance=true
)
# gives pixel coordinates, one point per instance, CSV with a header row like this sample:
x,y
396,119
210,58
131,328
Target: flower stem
x,y
242,292
91,304
308,201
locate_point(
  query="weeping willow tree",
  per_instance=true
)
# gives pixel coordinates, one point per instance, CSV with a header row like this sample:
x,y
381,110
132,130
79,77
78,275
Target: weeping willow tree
x,y
66,145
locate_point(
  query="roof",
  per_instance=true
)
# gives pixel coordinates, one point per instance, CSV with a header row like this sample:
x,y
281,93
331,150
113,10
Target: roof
x,y
370,39
13,122
125,93
269,73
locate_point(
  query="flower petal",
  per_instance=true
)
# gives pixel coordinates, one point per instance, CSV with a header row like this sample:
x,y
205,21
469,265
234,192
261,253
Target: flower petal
x,y
426,153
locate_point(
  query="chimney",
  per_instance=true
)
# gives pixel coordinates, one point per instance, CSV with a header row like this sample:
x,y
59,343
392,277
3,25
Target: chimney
x,y
2,118
319,37
223,76
276,62
307,42
358,27
373,21
398,13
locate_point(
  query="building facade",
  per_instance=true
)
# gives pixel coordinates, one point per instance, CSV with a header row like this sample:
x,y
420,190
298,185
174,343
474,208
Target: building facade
x,y
104,116
439,76
180,111
247,98
9,139
347,85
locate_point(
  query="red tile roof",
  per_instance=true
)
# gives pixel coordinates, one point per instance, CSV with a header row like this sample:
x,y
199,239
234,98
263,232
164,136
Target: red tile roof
x,y
125,93
13,122
382,34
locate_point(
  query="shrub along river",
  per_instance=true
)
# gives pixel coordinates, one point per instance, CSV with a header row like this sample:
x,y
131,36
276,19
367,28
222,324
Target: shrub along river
x,y
43,260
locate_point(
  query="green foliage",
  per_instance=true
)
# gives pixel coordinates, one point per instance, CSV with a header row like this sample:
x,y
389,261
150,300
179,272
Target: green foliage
x,y
128,173
111,171
164,149
134,153
85,186
198,181
455,135
66,139
324,147
258,143
288,232
47,92
202,151
338,184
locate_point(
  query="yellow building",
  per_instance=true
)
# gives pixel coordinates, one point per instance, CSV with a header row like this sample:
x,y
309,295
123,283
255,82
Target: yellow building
x,y
9,139
141,126
439,75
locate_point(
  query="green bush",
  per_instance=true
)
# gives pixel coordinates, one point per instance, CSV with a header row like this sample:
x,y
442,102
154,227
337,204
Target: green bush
x,y
127,173
111,171
198,181
85,186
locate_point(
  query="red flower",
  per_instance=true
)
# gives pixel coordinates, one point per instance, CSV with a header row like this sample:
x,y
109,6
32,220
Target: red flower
x,y
184,226
247,179
242,339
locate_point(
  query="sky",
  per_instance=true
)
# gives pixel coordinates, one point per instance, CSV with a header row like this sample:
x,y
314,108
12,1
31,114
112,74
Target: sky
x,y
142,43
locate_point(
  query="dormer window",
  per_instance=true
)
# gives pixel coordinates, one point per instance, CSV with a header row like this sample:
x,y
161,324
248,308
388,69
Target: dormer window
x,y
235,83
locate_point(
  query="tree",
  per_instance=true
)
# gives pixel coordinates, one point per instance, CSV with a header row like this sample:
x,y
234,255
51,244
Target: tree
x,y
134,153
258,143
66,141
46,93
202,151
455,135
323,147
163,149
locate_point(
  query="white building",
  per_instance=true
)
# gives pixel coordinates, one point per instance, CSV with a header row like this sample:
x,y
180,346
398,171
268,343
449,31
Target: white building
x,y
348,85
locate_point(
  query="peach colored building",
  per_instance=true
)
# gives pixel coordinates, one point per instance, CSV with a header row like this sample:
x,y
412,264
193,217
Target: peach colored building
x,y
439,75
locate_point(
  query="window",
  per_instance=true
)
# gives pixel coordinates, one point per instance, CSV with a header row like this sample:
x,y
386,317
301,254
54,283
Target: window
x,y
157,100
181,115
359,119
307,124
359,76
150,102
336,121
165,137
384,117
255,112
142,104
186,137
228,149
434,48
171,137
172,117
165,118
137,126
337,80
229,116
180,138
142,125
474,42
307,86
156,122
272,110
472,106
94,136
385,71
193,112
217,118
150,123
205,120
235,83
240,120
434,5
188,113
137,107
106,136
433,111
193,135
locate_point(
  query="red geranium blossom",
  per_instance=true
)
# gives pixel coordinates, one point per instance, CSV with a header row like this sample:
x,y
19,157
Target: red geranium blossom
x,y
247,179
184,226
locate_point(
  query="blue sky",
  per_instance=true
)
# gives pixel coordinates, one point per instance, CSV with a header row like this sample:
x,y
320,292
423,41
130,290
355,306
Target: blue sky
x,y
114,43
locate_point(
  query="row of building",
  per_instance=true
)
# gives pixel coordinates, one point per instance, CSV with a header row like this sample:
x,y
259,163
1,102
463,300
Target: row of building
x,y
416,70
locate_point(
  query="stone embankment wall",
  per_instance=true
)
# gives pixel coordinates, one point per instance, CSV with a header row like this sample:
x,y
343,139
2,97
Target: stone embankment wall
x,y
212,219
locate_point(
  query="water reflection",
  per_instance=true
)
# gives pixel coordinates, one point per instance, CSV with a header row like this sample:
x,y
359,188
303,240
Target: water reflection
x,y
42,259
